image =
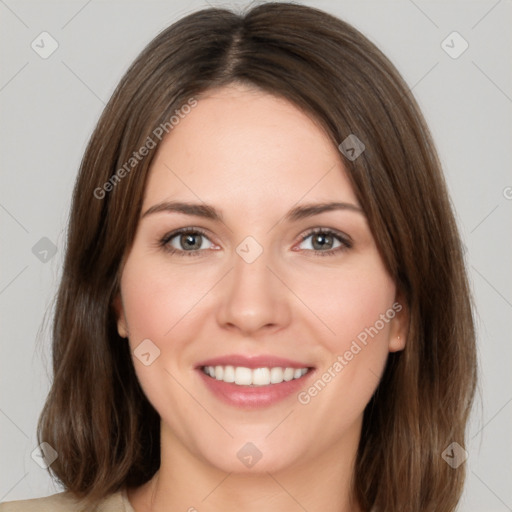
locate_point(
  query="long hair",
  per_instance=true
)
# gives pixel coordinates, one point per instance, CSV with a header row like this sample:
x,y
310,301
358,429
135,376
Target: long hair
x,y
96,416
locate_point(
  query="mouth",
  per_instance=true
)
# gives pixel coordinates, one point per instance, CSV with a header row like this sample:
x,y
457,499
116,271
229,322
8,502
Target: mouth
x,y
254,377
253,382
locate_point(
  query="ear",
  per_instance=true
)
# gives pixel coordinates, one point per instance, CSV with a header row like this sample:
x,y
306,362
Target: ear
x,y
122,327
399,323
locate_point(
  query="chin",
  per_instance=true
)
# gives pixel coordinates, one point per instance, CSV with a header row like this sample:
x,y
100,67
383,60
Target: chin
x,y
250,457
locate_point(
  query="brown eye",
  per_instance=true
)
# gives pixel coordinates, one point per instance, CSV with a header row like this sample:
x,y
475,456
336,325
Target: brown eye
x,y
186,241
190,241
325,242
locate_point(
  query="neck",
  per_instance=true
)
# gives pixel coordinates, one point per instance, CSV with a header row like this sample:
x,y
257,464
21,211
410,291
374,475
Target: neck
x,y
186,482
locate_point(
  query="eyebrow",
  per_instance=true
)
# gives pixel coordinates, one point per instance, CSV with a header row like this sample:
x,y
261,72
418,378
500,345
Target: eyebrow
x,y
209,212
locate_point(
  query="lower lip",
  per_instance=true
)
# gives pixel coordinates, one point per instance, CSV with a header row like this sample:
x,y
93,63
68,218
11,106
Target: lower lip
x,y
253,397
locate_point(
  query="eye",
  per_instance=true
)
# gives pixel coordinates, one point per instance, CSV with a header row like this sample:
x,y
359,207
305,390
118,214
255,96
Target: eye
x,y
187,241
190,242
326,242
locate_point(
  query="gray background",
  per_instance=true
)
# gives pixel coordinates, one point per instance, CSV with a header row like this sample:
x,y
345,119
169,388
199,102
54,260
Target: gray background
x,y
50,106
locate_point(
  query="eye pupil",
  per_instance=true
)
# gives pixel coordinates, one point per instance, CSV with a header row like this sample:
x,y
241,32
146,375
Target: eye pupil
x,y
187,241
321,240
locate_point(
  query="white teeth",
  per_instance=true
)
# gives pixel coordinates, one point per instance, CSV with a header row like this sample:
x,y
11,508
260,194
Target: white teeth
x,y
229,374
243,376
219,372
288,374
276,375
261,377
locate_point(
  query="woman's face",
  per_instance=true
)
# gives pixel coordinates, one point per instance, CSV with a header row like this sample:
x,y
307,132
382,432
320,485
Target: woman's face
x,y
250,291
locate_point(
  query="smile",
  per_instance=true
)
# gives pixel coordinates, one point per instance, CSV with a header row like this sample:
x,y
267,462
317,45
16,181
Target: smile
x,y
243,376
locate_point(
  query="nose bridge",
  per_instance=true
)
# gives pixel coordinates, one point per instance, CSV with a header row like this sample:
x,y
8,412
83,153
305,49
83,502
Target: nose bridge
x,y
253,298
251,263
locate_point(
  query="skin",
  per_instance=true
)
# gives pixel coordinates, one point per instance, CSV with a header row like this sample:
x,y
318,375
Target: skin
x,y
254,157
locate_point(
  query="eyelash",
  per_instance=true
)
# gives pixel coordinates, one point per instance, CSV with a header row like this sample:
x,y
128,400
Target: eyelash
x,y
345,241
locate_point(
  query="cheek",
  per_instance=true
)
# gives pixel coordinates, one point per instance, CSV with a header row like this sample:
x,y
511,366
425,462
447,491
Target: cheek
x,y
159,305
158,299
359,311
349,301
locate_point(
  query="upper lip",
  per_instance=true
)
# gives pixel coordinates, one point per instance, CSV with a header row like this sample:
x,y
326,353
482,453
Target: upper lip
x,y
260,361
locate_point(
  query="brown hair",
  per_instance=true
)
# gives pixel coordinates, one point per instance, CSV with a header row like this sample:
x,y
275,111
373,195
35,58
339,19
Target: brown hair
x,y
97,417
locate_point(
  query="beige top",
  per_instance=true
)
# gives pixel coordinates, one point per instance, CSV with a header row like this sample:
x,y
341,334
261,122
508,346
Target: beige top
x,y
66,502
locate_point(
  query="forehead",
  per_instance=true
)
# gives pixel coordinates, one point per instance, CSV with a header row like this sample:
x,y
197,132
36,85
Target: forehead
x,y
241,144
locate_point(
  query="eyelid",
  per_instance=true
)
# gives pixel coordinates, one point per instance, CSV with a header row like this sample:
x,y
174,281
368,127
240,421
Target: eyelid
x,y
163,242
327,231
345,240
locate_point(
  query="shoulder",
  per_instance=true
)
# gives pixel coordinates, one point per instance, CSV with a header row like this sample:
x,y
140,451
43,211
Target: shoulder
x,y
67,502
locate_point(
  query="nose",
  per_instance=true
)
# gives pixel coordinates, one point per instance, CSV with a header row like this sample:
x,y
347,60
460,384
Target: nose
x,y
253,297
